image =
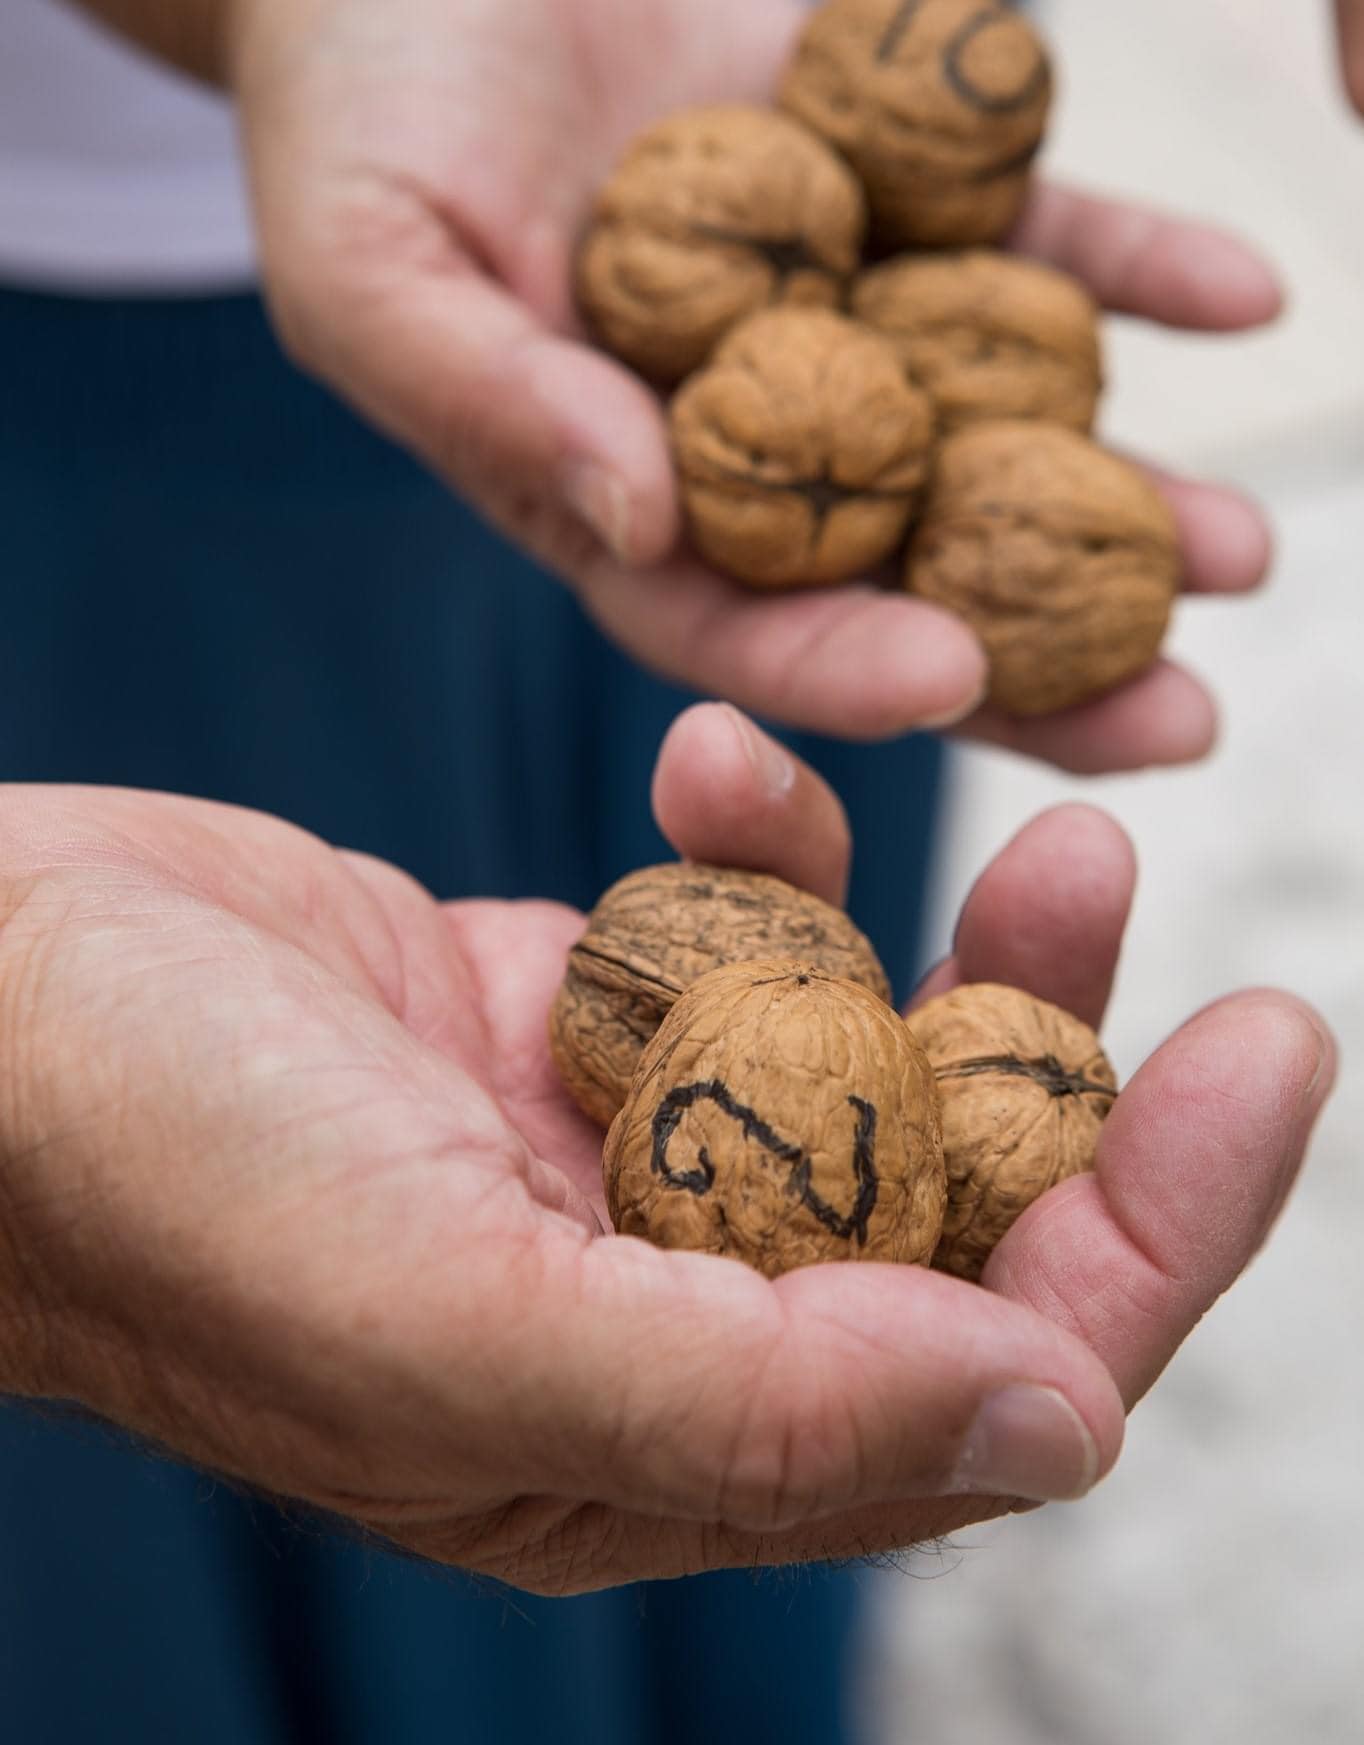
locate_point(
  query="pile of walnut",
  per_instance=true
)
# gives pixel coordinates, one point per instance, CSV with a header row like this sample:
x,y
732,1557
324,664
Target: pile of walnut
x,y
766,1101
938,402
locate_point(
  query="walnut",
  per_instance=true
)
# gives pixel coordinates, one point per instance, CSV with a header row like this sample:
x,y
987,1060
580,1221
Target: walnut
x,y
710,216
1062,558
989,335
652,935
802,450
939,105
784,1117
1025,1088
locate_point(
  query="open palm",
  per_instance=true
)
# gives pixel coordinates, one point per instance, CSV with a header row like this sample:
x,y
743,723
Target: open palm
x,y
422,169
288,1186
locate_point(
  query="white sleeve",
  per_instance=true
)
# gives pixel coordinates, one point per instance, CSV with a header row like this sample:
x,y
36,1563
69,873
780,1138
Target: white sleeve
x,y
116,174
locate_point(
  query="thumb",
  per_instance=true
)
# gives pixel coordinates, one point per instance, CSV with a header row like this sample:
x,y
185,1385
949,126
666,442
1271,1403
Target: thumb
x,y
556,443
687,1386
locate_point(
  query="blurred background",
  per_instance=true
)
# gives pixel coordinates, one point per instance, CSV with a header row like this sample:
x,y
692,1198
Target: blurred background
x,y
1213,1589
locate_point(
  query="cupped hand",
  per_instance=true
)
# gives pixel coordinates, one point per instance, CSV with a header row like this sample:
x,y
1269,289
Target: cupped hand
x,y
422,169
288,1186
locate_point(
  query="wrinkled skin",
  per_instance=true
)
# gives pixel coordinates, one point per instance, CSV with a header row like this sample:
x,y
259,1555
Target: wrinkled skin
x,y
287,1185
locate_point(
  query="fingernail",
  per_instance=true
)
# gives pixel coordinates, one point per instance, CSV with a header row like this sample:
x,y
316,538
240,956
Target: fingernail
x,y
1234,280
772,765
599,498
1027,1441
962,712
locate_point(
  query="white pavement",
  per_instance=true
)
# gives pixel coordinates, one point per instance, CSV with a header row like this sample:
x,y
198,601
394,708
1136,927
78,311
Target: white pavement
x,y
1212,1592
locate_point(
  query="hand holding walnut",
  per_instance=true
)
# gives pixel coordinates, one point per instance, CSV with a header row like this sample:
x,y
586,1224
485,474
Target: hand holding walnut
x,y
287,1184
422,170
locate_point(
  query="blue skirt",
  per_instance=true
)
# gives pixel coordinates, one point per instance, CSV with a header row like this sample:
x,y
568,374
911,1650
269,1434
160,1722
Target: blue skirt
x,y
218,582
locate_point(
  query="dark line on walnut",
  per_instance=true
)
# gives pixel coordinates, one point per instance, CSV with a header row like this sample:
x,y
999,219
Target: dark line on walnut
x,y
785,254
823,495
1047,1071
1009,166
956,75
897,30
699,1181
864,1174
617,963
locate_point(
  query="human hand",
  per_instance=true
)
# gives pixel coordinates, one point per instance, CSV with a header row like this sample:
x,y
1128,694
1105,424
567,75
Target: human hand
x,y
288,1185
421,170
1350,24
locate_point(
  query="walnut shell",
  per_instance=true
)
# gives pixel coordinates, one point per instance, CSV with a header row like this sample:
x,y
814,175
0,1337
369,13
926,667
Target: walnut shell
x,y
1062,558
1025,1088
652,935
989,335
802,450
710,216
783,1117
939,105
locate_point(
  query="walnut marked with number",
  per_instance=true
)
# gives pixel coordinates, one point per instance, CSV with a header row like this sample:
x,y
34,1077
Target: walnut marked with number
x,y
655,933
712,215
783,1117
1062,558
802,450
989,336
1025,1088
939,105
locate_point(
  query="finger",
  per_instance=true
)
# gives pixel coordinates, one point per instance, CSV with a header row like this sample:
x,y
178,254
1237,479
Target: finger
x,y
728,793
1194,1164
855,662
1163,717
555,441
1048,914
1138,262
1226,544
1350,19
688,1386
569,453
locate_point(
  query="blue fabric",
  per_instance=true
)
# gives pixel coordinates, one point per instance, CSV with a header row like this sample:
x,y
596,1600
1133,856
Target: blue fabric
x,y
216,581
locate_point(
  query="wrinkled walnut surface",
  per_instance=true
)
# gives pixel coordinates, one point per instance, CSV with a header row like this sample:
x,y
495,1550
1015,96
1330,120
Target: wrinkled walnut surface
x,y
1025,1088
989,335
939,105
710,216
1061,557
656,932
783,1117
802,450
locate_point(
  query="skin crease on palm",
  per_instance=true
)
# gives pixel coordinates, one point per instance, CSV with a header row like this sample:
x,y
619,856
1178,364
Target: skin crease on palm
x,y
288,1187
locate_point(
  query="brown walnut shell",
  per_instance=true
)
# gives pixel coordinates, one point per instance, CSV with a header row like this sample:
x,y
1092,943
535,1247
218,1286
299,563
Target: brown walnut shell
x,y
1025,1088
783,1117
989,336
1061,557
710,216
802,450
939,105
655,933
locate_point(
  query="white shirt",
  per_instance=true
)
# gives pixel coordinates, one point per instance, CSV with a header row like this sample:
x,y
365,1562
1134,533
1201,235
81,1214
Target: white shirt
x,y
115,173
